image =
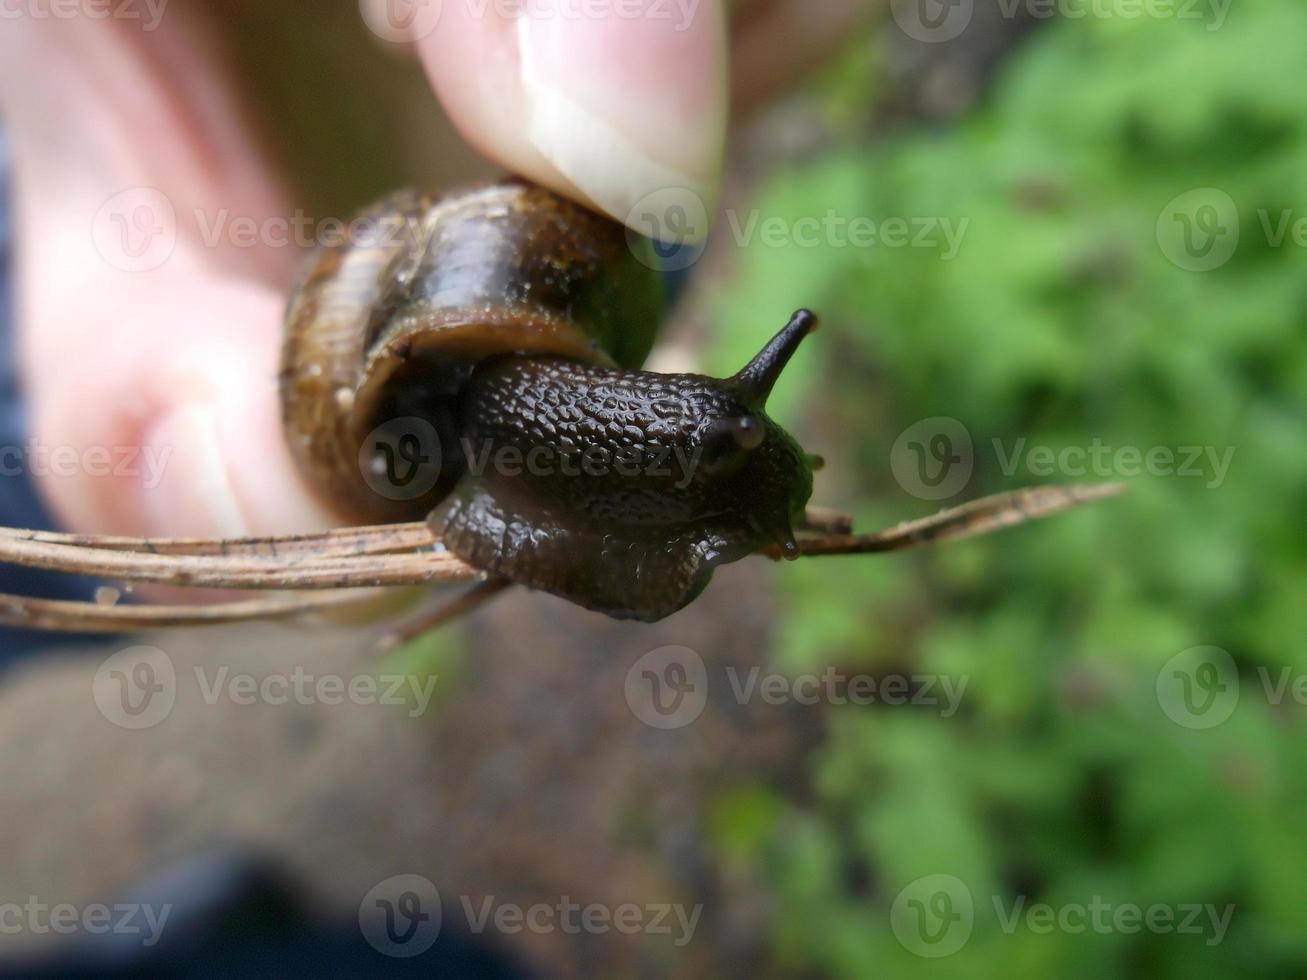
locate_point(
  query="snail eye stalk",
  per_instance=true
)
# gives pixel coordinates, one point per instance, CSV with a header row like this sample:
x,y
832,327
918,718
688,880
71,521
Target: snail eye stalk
x,y
757,378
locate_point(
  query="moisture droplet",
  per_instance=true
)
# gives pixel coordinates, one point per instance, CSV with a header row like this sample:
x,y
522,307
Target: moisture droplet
x,y
107,595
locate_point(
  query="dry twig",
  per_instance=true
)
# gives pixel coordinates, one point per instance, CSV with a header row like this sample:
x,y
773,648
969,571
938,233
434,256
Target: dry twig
x,y
354,562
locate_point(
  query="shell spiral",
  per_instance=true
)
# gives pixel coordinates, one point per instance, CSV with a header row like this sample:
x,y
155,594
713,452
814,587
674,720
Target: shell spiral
x,y
391,322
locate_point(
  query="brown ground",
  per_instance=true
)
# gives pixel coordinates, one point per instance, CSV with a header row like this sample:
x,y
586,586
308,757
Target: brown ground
x,y
529,778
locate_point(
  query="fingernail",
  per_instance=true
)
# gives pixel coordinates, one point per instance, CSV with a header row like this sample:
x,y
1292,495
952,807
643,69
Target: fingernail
x,y
623,149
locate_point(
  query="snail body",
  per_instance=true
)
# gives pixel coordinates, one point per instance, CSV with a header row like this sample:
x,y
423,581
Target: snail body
x,y
499,332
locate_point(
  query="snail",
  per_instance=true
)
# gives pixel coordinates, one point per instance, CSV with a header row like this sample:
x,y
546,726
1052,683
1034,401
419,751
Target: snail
x,y
510,320
464,376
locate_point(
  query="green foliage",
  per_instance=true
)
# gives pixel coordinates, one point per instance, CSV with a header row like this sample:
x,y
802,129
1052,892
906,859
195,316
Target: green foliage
x,y
1060,321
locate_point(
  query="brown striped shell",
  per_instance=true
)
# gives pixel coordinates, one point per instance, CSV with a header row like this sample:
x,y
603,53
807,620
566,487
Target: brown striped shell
x,y
389,323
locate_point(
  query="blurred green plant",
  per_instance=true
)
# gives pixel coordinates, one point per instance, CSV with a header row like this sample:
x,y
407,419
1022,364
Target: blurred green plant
x,y
1064,318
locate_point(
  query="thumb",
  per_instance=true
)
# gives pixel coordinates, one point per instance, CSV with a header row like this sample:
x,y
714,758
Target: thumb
x,y
622,105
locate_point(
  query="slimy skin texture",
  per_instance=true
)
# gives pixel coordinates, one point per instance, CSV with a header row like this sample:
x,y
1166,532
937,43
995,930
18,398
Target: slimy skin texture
x,y
620,491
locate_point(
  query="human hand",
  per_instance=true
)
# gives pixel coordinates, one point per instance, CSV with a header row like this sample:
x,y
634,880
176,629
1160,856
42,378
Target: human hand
x,y
150,354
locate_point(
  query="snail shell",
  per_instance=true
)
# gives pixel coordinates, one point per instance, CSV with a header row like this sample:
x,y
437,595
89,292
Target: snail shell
x,y
390,324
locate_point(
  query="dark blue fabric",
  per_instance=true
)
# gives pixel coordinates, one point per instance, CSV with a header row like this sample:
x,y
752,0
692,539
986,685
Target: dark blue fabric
x,y
235,915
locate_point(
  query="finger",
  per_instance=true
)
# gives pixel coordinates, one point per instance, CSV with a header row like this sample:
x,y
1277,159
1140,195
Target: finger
x,y
149,346
609,108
